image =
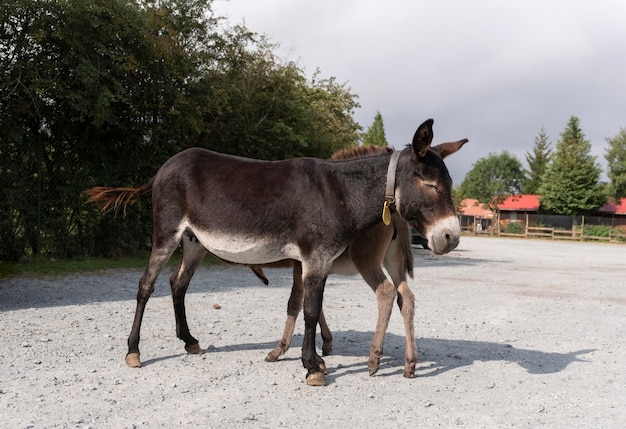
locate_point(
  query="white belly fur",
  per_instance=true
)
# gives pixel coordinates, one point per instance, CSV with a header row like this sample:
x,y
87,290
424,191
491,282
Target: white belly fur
x,y
245,250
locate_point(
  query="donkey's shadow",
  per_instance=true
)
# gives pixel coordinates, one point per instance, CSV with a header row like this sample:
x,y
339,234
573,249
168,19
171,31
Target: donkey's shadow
x,y
436,355
439,355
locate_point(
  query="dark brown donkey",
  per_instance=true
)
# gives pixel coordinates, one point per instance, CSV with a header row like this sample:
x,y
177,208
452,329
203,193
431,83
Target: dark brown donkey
x,y
256,212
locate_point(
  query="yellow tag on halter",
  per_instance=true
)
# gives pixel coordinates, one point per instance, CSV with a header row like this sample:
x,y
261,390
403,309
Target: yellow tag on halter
x,y
386,213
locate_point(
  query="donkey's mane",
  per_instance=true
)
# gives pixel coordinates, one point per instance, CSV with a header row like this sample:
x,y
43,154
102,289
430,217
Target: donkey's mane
x,y
360,151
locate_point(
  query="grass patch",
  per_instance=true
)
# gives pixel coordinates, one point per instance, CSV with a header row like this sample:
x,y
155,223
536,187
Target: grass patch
x,y
50,267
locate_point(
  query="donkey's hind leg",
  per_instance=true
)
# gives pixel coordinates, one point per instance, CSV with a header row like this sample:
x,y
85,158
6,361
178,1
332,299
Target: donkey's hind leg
x,y
193,253
159,256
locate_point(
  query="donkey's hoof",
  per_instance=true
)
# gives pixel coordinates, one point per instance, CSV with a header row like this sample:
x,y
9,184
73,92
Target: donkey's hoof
x,y
272,356
132,360
327,349
373,363
409,372
316,379
194,349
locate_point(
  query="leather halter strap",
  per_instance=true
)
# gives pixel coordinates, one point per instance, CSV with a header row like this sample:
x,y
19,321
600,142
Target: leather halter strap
x,y
390,199
391,179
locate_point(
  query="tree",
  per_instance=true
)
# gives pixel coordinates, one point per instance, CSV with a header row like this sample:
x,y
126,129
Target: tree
x,y
538,162
270,110
571,182
616,158
376,132
102,92
493,177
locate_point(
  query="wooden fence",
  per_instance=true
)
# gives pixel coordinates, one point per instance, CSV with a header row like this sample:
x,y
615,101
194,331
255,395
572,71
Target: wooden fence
x,y
528,228
576,234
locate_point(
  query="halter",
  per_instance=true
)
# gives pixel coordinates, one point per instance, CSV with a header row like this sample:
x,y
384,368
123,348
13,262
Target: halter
x,y
390,200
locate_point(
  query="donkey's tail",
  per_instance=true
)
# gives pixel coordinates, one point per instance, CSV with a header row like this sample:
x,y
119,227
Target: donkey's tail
x,y
112,199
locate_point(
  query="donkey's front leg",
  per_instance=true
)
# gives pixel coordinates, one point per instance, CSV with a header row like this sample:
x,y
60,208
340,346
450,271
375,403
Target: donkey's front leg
x,y
293,309
385,294
313,296
406,302
294,306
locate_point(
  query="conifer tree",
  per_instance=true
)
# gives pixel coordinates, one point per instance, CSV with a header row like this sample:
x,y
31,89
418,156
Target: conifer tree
x,y
376,132
616,158
538,162
571,183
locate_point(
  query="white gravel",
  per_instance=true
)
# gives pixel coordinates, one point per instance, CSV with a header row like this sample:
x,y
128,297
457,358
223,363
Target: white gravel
x,y
511,333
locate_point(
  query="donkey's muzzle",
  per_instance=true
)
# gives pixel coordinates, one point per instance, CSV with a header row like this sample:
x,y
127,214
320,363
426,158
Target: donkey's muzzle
x,y
444,235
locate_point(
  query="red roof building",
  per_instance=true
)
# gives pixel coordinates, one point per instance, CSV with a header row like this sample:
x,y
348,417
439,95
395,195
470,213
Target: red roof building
x,y
473,207
614,207
519,203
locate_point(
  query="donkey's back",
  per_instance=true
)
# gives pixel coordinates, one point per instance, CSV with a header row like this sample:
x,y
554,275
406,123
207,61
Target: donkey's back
x,y
243,210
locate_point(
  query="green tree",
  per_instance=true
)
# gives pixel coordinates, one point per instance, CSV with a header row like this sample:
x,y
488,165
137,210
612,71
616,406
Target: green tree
x,y
493,177
616,157
102,92
570,185
538,162
376,132
270,110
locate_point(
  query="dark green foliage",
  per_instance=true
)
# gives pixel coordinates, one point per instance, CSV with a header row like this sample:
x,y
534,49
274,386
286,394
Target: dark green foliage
x,y
493,177
514,228
538,162
376,132
570,185
616,158
102,92
597,230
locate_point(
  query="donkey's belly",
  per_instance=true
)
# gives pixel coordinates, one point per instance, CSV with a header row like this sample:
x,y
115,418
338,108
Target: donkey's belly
x,y
246,250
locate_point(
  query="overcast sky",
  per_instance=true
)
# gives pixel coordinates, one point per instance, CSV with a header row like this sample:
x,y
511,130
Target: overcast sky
x,y
495,72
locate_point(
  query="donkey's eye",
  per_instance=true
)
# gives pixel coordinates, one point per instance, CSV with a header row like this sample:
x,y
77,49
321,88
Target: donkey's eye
x,y
431,185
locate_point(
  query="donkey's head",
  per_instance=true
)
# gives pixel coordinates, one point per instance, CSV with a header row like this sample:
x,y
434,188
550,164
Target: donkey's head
x,y
424,190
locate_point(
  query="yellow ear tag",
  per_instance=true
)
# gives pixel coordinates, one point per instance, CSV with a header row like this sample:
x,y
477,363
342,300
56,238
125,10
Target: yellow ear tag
x,y
386,213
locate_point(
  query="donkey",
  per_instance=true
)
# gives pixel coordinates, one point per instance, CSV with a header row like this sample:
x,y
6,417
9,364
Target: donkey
x,y
389,246
257,212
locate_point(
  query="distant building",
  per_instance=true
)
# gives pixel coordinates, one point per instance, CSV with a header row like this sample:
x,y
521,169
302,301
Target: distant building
x,y
516,208
475,216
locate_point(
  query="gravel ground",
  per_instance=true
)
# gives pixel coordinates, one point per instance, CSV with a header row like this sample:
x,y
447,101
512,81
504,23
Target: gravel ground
x,y
510,333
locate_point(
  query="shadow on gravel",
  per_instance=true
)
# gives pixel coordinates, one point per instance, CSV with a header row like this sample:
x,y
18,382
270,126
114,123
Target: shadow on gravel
x,y
121,285
436,355
441,355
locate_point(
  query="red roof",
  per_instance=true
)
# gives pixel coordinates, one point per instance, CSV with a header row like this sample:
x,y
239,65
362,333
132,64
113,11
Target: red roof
x,y
520,203
615,208
472,207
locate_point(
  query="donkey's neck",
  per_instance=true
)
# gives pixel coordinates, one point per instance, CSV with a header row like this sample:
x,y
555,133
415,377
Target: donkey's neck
x,y
363,189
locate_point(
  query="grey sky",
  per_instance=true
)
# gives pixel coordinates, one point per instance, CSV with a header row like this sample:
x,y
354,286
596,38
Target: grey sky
x,y
495,72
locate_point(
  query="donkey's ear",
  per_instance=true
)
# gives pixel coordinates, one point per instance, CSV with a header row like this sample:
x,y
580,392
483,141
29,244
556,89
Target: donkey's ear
x,y
445,149
423,138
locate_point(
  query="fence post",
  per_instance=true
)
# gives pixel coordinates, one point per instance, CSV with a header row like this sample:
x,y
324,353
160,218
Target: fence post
x,y
39,185
526,229
582,227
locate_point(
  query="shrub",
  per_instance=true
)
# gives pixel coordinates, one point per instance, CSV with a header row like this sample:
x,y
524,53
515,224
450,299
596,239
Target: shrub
x,y
514,228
